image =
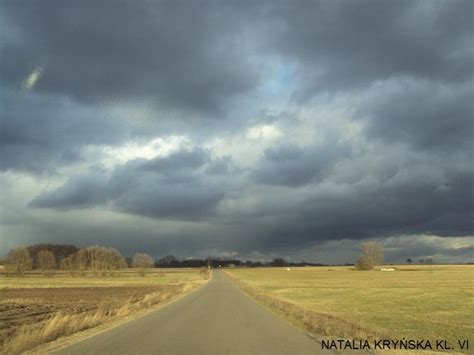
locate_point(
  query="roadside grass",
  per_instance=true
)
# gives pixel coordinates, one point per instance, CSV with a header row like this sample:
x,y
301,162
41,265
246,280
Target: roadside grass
x,y
29,321
415,302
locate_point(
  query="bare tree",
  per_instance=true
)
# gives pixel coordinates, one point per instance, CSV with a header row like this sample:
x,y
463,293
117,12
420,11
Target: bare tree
x,y
117,261
46,262
104,260
372,254
142,261
18,261
363,263
68,263
81,261
60,251
427,261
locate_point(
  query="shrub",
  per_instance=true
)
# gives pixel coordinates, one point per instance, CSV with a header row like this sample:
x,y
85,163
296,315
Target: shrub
x,y
142,261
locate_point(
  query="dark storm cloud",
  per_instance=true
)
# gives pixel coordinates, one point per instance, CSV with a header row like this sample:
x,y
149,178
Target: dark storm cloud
x,y
425,115
290,165
172,187
343,45
185,55
74,75
79,192
397,249
191,55
194,57
419,194
41,132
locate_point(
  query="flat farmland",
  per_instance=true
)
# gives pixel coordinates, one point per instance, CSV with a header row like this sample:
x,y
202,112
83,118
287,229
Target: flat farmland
x,y
415,302
35,309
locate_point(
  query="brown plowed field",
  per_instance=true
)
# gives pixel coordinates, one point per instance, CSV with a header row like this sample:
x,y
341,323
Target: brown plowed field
x,y
20,306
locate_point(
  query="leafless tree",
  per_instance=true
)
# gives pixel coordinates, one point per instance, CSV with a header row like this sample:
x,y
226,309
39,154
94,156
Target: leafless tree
x,y
46,262
81,261
372,254
142,261
68,264
104,260
363,263
18,261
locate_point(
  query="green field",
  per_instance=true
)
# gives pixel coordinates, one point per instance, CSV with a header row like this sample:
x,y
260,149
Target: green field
x,y
416,302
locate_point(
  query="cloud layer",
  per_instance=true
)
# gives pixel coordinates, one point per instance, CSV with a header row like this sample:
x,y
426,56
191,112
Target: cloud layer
x,y
264,128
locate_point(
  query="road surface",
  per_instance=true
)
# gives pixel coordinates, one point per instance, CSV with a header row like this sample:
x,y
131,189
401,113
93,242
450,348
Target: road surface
x,y
216,319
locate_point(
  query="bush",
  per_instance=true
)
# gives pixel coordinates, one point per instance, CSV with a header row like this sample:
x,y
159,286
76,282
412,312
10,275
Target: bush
x,y
142,261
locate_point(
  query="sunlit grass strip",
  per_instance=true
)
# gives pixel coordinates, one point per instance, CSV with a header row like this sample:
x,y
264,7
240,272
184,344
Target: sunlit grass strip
x,y
314,322
432,302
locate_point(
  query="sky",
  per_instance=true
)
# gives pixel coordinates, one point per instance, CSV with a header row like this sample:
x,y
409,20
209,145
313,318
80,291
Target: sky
x,y
249,129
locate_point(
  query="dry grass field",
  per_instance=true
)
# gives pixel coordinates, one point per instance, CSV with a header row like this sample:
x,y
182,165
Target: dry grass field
x,y
415,302
35,310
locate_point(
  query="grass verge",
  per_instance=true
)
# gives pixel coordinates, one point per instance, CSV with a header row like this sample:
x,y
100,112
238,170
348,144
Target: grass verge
x,y
315,322
413,302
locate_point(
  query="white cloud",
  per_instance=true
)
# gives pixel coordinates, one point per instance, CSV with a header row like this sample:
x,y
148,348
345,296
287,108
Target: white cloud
x,y
33,78
157,147
246,147
263,132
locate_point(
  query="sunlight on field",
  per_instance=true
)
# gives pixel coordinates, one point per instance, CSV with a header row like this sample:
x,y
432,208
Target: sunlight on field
x,y
126,277
35,310
426,302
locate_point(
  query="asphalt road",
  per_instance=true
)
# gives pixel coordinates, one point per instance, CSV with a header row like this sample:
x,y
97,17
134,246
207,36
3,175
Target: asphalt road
x,y
216,319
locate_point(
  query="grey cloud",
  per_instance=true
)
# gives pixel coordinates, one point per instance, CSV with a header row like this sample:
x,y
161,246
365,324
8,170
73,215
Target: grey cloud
x,y
344,45
181,55
179,201
417,194
191,55
180,162
41,132
221,165
423,114
194,59
168,187
290,165
402,70
397,249
422,246
79,192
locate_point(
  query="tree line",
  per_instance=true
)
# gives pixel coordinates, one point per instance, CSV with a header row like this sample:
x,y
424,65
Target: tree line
x,y
98,260
170,261
102,261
